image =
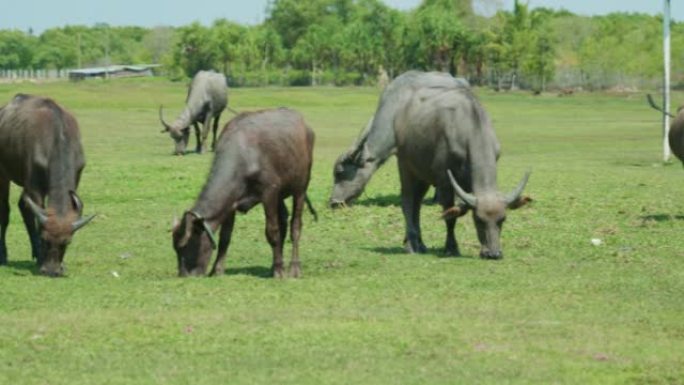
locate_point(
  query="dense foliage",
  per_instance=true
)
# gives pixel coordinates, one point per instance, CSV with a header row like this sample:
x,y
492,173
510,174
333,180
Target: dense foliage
x,y
350,41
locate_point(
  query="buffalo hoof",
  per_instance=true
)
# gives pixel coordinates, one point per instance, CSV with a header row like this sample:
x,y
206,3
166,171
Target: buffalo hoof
x,y
417,248
278,272
492,256
52,271
452,252
295,270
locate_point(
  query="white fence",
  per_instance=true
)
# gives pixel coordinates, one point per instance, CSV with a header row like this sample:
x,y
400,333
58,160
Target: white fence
x,y
34,74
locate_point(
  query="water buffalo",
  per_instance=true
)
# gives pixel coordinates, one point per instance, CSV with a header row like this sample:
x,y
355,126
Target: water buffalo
x,y
436,125
675,137
261,157
41,152
354,168
206,100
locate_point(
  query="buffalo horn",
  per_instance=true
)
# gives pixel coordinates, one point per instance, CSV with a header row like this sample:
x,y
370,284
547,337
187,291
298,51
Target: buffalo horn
x,y
515,194
37,210
81,222
167,127
466,197
207,229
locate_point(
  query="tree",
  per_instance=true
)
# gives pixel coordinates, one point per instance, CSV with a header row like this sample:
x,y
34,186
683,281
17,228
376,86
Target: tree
x,y
436,35
195,50
226,38
16,50
313,49
292,18
159,42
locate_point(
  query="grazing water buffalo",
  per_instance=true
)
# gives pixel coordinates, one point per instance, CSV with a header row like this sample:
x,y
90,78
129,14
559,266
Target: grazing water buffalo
x,y
675,137
354,168
261,157
40,150
436,125
207,98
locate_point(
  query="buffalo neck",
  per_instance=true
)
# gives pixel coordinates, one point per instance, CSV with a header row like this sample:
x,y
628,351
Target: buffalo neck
x,y
482,158
62,173
224,187
184,119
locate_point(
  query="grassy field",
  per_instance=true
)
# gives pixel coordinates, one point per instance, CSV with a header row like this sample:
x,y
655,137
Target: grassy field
x,y
556,310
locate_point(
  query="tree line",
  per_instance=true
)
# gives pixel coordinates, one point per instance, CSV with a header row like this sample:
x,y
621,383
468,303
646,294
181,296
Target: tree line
x,y
342,42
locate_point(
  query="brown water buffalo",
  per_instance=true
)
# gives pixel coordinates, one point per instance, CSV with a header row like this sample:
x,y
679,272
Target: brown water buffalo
x,y
261,157
40,151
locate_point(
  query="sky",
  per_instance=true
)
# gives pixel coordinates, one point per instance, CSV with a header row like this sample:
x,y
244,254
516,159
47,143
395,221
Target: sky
x,y
43,14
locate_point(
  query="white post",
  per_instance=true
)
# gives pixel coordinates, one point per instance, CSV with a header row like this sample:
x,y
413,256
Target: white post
x,y
666,85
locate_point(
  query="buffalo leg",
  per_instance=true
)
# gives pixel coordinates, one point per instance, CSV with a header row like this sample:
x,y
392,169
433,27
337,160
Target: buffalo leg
x,y
215,128
198,137
412,193
205,132
4,219
224,242
295,232
446,199
31,228
273,236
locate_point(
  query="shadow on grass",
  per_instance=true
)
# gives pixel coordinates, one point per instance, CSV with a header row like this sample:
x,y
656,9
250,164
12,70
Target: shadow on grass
x,y
389,200
25,266
431,251
380,201
255,271
662,217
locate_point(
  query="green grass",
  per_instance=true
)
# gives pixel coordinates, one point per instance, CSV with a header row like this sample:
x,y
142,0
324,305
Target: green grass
x,y
556,310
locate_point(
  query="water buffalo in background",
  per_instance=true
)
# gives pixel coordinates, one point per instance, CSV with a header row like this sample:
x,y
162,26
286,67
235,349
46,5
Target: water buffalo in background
x,y
261,157
676,135
438,126
41,151
206,100
354,168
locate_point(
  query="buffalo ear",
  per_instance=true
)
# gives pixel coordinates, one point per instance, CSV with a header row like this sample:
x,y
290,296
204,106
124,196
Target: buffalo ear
x,y
520,202
76,201
184,228
174,224
455,212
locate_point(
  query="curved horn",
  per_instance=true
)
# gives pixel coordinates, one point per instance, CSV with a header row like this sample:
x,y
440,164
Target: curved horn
x,y
207,229
210,233
81,222
466,197
37,210
167,127
515,194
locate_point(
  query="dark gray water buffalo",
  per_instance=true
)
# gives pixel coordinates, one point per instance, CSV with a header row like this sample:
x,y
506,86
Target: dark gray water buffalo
x,y
437,125
261,157
354,168
40,150
675,137
206,100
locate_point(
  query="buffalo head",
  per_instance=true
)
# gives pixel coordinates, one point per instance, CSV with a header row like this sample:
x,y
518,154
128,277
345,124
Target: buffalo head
x,y
179,135
193,241
56,232
351,173
489,213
